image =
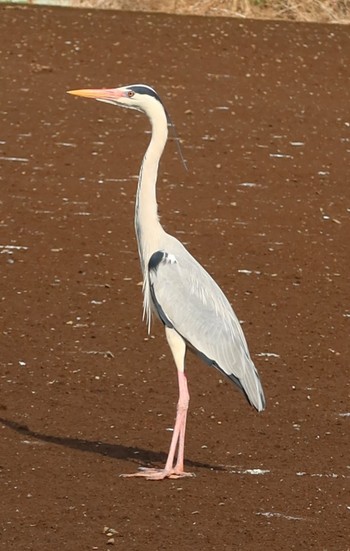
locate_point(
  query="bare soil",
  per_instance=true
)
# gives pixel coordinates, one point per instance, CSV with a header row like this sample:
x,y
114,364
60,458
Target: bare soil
x,y
262,109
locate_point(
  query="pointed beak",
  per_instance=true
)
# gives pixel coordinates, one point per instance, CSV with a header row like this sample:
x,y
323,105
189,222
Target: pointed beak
x,y
102,94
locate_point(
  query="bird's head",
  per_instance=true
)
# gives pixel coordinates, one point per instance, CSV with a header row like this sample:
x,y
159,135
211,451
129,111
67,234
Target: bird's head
x,y
135,96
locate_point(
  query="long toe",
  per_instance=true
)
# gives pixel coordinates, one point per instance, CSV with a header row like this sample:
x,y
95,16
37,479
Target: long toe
x,y
157,474
182,474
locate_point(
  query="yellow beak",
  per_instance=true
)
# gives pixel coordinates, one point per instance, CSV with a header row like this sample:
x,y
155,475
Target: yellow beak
x,y
101,93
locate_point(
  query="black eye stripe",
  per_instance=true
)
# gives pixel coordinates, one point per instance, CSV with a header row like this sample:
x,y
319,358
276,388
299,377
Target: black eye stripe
x,y
139,89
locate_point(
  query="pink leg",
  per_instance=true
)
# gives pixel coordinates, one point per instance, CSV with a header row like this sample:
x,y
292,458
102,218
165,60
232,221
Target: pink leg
x,y
178,439
178,348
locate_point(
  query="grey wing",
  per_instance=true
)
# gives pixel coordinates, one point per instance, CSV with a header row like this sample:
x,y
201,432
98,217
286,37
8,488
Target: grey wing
x,y
187,298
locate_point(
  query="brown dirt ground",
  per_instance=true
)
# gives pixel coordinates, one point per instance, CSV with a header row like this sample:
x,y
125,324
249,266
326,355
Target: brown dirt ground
x,y
85,393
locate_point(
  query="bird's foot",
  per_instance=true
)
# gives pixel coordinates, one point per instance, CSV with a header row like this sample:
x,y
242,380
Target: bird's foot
x,y
158,474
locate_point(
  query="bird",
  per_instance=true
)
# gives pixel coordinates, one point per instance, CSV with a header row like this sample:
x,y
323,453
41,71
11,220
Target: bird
x,y
177,289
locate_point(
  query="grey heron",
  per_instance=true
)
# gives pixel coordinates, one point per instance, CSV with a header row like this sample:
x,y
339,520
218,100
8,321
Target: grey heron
x,y
176,288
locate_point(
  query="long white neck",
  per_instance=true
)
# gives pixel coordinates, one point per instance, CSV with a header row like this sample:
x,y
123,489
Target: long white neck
x,y
147,225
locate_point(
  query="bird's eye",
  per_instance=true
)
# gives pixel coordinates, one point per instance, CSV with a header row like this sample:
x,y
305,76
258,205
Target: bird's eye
x,y
131,94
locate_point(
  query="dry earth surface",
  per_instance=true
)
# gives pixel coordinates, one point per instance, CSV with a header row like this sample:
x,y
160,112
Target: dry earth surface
x,y
262,109
322,11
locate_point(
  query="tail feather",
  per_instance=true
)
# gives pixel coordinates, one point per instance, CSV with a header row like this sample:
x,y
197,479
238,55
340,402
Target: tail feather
x,y
252,388
250,385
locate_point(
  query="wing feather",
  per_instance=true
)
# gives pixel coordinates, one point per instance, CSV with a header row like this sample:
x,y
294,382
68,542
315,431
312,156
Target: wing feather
x,y
186,297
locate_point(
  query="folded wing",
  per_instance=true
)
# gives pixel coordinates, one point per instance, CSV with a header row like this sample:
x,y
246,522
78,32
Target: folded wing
x,y
186,298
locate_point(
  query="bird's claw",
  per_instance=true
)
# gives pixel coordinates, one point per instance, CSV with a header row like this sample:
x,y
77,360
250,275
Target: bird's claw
x,y
158,474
